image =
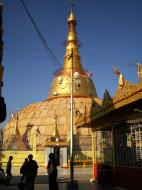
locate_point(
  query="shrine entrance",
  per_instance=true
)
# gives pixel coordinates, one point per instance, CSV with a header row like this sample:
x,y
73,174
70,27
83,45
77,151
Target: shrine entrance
x,y
60,152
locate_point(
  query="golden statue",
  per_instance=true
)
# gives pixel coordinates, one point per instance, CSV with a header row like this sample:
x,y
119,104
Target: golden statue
x,y
121,78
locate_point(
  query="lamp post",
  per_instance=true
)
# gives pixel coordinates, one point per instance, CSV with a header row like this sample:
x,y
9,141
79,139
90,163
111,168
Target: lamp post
x,y
72,185
71,119
71,122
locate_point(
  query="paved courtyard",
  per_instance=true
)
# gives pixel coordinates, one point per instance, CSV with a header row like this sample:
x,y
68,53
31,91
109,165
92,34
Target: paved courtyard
x,y
82,175
63,186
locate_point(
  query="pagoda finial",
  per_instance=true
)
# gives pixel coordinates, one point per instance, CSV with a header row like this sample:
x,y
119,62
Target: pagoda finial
x,y
71,17
72,5
72,41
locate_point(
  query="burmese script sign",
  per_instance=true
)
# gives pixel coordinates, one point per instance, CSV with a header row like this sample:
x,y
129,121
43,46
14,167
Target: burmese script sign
x,y
82,143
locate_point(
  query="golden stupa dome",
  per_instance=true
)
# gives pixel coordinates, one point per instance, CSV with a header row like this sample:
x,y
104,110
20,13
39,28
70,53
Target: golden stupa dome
x,y
46,119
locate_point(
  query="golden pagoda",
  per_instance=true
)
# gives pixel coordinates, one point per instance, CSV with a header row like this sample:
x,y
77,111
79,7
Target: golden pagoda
x,y
46,125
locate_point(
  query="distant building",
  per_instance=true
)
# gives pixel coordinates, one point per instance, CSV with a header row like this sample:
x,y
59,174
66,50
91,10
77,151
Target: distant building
x,y
2,102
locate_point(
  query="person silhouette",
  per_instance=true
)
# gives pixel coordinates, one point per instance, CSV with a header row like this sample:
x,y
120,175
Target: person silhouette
x,y
52,172
23,169
8,170
31,173
2,174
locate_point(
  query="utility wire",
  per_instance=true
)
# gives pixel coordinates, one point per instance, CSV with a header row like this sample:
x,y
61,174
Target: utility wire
x,y
46,47
100,55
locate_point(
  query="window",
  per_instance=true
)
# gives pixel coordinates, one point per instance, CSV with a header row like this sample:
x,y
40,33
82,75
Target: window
x,y
104,146
128,144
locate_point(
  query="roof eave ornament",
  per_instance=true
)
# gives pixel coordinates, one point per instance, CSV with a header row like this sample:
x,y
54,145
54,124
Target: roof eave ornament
x,y
121,80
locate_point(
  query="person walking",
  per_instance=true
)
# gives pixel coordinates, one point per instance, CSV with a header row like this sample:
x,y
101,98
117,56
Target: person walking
x,y
31,173
23,171
8,170
52,172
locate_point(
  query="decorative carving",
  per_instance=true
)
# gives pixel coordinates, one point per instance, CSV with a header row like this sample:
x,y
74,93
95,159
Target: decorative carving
x,y
128,90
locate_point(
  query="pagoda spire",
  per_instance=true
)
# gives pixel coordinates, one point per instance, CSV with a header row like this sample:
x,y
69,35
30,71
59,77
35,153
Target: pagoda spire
x,y
83,85
72,36
72,44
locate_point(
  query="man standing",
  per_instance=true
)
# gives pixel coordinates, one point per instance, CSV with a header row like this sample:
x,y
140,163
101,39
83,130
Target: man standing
x,y
32,168
52,172
8,170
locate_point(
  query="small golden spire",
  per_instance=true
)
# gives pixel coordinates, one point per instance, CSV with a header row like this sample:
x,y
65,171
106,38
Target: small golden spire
x,y
55,135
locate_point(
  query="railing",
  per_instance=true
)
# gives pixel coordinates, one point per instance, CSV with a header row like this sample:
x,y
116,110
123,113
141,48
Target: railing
x,y
81,163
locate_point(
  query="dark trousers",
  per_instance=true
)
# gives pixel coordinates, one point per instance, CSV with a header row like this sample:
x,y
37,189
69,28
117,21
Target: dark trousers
x,y
53,185
23,177
9,177
29,182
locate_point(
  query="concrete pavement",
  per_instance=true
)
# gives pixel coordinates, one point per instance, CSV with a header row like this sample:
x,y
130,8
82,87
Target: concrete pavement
x,y
81,175
63,186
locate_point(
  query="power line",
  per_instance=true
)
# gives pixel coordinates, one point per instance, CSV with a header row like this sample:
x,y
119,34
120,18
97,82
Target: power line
x,y
49,50
45,45
101,55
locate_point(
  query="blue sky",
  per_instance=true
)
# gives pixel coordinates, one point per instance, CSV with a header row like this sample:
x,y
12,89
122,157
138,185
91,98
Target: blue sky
x,y
110,32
